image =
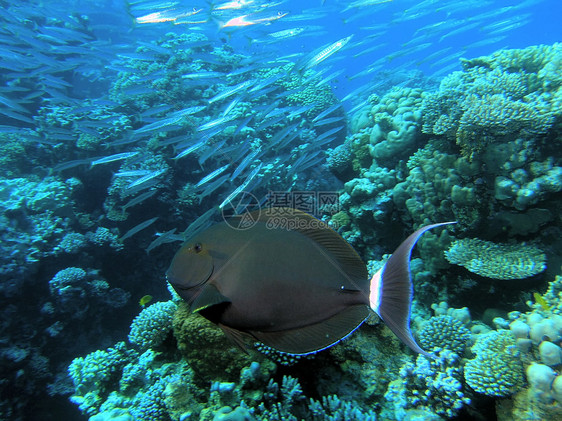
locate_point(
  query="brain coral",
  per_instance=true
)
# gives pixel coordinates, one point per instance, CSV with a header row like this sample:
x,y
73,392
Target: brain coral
x,y
497,261
444,332
152,325
497,369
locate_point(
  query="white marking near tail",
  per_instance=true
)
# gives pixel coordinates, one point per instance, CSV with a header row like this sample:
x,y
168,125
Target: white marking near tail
x,y
375,294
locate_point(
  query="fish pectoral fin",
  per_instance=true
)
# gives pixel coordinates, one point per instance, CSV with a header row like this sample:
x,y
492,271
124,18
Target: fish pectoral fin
x,y
209,296
316,337
236,336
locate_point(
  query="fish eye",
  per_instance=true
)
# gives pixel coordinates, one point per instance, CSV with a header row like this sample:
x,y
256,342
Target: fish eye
x,y
197,247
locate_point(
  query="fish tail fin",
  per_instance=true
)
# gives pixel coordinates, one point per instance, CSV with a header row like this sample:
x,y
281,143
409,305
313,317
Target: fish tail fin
x,y
391,290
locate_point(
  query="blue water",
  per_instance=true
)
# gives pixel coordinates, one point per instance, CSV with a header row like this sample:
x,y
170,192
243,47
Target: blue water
x,y
61,112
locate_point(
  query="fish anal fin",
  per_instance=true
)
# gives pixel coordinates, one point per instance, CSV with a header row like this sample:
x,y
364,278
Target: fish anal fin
x,y
316,337
209,296
236,336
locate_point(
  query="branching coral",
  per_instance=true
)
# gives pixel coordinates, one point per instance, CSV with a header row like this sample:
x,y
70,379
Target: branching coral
x,y
497,369
431,385
444,332
94,375
152,325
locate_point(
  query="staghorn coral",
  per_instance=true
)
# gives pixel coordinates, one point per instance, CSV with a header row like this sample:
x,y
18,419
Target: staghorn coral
x,y
497,369
333,408
497,261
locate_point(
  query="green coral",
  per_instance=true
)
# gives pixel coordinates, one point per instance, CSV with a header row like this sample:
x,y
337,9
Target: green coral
x,y
495,260
206,347
340,220
497,369
439,186
444,332
152,325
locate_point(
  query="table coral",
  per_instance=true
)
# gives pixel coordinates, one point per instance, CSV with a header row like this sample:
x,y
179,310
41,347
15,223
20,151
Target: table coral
x,y
497,261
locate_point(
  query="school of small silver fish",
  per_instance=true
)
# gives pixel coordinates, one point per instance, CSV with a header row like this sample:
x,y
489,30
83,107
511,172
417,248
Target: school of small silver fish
x,y
46,52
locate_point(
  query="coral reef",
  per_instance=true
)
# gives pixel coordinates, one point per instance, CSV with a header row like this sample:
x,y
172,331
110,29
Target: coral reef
x,y
223,361
512,93
112,143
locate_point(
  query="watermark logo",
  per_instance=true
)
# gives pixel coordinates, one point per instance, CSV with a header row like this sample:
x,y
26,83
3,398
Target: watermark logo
x,y
242,211
278,209
311,202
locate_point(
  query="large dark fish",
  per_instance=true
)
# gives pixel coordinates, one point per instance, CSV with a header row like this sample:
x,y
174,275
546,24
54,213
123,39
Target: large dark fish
x,y
291,282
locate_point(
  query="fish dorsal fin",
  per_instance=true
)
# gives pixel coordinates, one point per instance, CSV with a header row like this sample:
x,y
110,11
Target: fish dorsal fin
x,y
316,337
322,235
209,296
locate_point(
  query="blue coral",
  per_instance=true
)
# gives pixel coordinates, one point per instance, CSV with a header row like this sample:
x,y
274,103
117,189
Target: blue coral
x,y
66,280
434,385
152,325
149,405
93,375
444,332
71,243
332,408
497,369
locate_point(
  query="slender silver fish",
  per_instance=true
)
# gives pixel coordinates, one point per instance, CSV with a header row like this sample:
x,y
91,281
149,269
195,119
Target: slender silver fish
x,y
113,158
138,228
212,175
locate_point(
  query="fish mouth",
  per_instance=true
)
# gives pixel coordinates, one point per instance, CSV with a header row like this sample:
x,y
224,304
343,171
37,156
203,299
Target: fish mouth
x,y
191,287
